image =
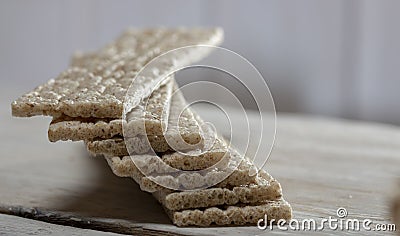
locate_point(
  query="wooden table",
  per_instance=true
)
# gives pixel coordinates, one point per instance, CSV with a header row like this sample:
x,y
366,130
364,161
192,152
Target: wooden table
x,y
322,164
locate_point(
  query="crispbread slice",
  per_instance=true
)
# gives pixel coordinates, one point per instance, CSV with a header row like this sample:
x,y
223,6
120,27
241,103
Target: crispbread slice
x,y
225,157
205,160
75,129
175,159
183,133
149,111
242,174
233,215
265,188
117,147
98,89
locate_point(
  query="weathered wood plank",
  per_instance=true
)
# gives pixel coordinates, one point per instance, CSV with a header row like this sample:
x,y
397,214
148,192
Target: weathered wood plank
x,y
72,219
12,225
322,164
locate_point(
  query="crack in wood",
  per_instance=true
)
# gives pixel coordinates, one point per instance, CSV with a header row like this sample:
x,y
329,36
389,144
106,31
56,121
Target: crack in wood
x,y
68,219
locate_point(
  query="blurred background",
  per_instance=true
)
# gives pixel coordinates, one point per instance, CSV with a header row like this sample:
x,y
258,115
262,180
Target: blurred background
x,y
332,58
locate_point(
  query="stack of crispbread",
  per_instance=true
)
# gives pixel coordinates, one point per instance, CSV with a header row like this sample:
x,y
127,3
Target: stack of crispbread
x,y
156,139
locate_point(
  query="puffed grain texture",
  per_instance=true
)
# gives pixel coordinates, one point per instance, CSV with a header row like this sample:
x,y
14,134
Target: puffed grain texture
x,y
265,188
96,87
232,215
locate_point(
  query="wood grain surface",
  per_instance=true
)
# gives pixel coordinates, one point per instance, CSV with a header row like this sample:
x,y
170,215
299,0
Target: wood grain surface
x,y
322,164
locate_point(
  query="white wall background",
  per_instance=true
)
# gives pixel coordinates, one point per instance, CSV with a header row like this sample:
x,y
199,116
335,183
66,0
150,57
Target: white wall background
x,y
338,57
